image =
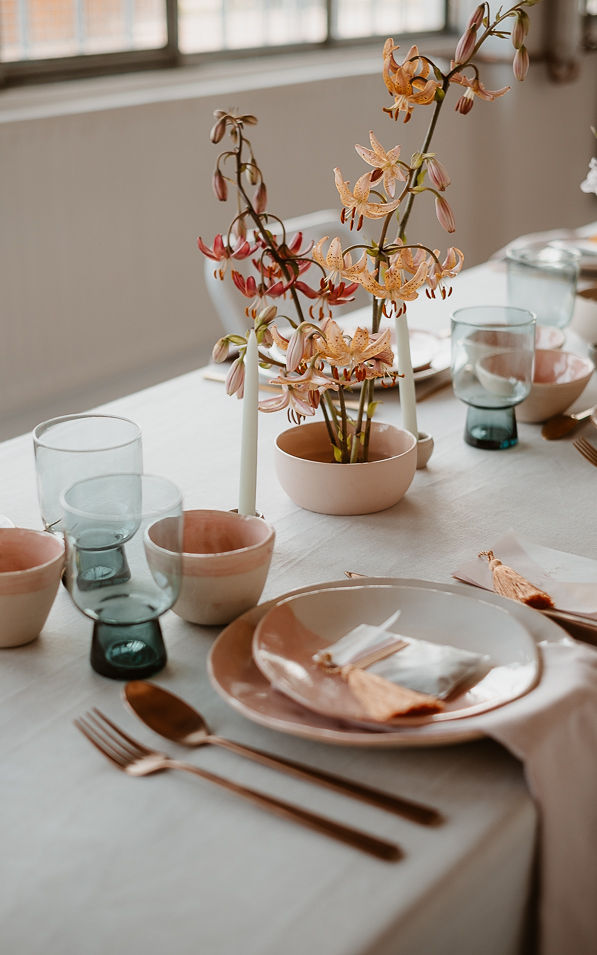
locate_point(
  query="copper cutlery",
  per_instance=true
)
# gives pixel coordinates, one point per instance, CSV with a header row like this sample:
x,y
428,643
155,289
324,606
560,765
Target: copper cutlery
x,y
588,450
135,759
562,424
172,718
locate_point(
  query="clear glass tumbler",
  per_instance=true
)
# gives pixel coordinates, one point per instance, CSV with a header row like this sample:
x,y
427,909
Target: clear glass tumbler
x,y
107,520
493,351
543,278
79,446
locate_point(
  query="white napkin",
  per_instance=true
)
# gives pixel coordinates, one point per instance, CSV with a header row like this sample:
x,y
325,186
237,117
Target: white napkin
x,y
423,666
570,580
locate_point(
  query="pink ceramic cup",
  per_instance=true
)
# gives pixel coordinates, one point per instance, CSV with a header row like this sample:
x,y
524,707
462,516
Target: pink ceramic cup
x,y
225,562
31,564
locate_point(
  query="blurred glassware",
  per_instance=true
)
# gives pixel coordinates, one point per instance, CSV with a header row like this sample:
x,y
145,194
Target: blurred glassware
x,y
108,575
543,278
493,349
78,446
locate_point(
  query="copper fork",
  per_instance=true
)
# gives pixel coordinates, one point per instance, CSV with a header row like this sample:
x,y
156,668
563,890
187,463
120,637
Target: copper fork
x,y
588,450
132,757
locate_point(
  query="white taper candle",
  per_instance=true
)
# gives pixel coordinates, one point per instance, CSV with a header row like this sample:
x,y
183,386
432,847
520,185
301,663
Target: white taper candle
x,y
248,450
406,383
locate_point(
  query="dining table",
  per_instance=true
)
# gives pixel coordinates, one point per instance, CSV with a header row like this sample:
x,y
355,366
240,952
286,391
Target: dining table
x,y
94,861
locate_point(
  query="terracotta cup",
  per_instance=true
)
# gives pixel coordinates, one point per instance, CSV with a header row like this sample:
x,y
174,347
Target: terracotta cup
x,y
225,562
31,564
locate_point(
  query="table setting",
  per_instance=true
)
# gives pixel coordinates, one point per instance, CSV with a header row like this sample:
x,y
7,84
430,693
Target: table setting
x,y
366,626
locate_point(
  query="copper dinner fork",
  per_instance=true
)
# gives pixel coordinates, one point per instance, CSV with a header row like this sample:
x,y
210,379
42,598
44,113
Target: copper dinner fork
x,y
588,450
132,757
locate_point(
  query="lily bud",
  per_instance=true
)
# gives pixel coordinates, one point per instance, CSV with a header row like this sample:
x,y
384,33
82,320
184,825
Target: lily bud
x,y
520,29
219,186
466,45
444,214
220,350
240,229
466,102
260,200
476,17
217,131
252,174
520,65
235,379
267,314
438,174
296,347
265,337
249,119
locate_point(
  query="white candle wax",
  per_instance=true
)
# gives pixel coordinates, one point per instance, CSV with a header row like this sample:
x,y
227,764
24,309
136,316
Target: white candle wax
x,y
406,383
248,450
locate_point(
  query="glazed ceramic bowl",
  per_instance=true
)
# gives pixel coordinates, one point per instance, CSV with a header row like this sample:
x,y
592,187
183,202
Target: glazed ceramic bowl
x,y
584,318
225,563
559,379
311,478
31,564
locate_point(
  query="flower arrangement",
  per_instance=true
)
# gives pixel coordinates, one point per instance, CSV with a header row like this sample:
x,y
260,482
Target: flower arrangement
x,y
316,361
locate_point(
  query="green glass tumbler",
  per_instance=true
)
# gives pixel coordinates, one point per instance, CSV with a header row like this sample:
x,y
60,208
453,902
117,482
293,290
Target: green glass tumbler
x,y
493,352
110,573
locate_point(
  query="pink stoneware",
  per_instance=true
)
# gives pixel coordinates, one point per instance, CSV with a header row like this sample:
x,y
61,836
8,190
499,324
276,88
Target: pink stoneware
x,y
31,564
225,562
312,480
559,379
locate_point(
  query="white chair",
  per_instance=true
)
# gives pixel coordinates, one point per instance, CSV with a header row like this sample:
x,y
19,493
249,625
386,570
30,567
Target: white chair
x,y
230,303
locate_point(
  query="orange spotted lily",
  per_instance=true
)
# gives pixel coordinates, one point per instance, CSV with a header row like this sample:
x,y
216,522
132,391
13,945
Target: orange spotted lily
x,y
408,82
387,162
357,202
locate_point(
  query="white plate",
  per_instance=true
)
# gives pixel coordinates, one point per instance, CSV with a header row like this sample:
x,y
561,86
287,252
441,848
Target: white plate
x,y
237,679
289,635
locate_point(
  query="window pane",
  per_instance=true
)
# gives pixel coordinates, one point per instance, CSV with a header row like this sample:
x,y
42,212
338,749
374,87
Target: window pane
x,y
356,18
240,24
37,29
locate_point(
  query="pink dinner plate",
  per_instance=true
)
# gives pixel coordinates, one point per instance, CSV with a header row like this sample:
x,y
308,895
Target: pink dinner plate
x,y
237,679
292,632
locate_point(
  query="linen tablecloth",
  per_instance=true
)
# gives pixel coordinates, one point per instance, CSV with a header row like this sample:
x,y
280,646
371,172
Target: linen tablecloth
x,y
93,861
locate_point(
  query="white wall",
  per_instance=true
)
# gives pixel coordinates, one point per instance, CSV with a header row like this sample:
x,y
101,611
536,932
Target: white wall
x,y
106,184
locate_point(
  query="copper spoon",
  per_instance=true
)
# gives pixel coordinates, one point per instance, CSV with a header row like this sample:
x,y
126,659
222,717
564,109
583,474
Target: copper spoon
x,y
172,718
562,424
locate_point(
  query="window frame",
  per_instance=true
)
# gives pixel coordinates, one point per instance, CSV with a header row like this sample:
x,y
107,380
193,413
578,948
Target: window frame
x,y
78,66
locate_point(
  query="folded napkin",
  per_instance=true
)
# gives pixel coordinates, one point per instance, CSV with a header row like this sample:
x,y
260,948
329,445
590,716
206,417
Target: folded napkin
x,y
553,731
570,580
429,668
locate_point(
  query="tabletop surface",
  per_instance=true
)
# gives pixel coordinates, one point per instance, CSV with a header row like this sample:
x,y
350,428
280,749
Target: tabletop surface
x,y
94,861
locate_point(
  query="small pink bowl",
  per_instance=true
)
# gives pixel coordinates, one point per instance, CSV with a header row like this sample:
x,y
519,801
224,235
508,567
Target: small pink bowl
x,y
31,564
559,379
225,562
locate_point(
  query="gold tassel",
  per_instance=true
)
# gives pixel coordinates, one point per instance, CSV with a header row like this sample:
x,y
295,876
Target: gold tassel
x,y
381,699
509,583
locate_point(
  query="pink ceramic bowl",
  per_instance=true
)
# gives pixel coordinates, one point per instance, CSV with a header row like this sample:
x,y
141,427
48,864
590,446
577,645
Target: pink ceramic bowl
x,y
312,479
31,564
559,379
225,562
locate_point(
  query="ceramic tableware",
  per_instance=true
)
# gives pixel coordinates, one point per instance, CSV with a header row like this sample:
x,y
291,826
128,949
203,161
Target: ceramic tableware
x,y
225,563
559,378
31,564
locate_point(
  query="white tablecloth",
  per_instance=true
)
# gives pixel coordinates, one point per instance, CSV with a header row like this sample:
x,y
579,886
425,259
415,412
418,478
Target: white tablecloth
x,y
93,861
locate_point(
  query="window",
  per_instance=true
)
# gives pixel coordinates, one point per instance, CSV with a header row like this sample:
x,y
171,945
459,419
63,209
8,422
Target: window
x,y
57,38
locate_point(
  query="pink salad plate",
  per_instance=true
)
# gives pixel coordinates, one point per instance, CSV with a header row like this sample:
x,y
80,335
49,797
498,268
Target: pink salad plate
x,y
237,678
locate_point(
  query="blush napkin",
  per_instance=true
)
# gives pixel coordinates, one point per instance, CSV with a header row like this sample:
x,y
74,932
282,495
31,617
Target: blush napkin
x,y
570,580
553,731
